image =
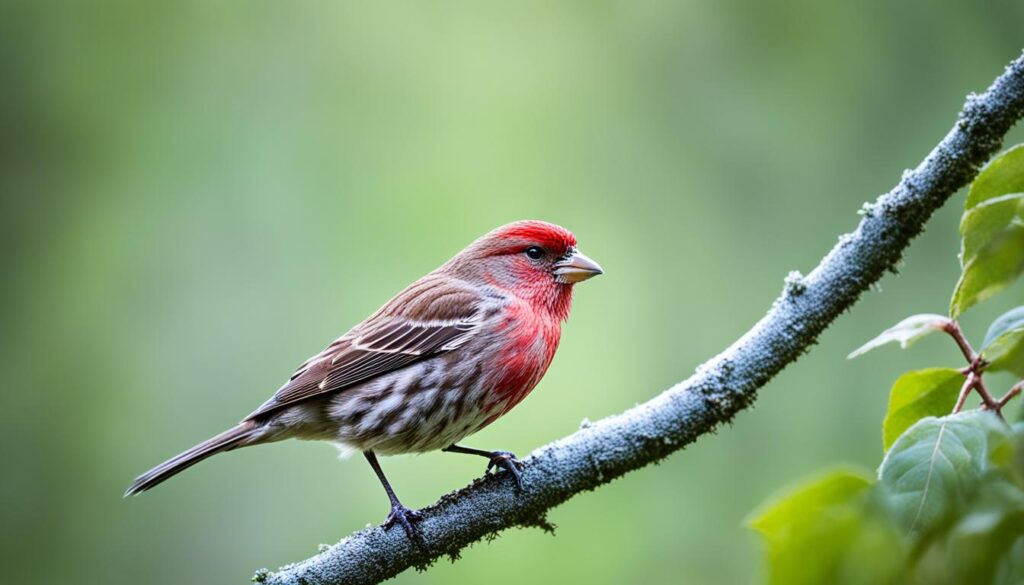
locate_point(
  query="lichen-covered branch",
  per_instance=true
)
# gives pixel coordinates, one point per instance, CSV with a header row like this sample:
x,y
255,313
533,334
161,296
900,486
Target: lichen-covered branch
x,y
601,451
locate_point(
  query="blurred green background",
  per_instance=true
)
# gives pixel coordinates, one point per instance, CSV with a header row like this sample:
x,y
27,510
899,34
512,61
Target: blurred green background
x,y
196,196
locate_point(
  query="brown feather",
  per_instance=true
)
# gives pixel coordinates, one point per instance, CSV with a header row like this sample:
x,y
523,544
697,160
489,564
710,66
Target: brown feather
x,y
431,316
229,439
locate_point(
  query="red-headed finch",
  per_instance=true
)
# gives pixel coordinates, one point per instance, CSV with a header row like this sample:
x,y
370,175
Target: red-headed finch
x,y
444,358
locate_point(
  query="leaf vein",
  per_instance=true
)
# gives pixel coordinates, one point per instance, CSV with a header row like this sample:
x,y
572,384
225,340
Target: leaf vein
x,y
928,478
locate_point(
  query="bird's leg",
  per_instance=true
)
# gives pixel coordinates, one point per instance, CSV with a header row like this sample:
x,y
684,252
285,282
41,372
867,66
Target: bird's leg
x,y
399,513
497,459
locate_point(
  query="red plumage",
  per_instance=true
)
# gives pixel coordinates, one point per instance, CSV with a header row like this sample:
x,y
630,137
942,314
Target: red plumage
x,y
445,357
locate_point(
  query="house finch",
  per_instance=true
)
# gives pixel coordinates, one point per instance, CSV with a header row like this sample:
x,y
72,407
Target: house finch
x,y
444,358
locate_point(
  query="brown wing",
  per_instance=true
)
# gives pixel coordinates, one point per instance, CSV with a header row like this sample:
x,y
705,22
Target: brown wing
x,y
384,343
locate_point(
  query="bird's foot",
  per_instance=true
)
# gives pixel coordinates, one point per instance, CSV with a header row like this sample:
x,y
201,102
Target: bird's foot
x,y
507,461
407,519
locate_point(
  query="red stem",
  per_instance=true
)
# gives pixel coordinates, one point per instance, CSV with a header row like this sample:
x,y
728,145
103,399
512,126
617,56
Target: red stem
x,y
972,378
973,371
953,329
1017,388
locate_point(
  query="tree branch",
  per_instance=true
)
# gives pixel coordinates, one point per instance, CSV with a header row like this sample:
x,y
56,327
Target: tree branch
x,y
604,450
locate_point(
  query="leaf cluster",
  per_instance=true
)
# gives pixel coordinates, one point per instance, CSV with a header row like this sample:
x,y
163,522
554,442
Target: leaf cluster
x,y
946,505
992,232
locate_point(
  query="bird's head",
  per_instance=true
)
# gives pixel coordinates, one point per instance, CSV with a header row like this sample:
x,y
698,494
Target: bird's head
x,y
534,260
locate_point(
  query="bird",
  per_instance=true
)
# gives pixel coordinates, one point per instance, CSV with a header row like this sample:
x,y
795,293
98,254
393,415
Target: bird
x,y
444,358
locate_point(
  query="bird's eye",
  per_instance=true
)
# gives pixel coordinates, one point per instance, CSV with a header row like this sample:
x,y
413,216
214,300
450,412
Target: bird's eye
x,y
534,252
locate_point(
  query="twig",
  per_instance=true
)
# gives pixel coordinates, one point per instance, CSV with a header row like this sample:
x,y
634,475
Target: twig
x,y
609,448
988,401
953,329
1017,388
969,383
973,371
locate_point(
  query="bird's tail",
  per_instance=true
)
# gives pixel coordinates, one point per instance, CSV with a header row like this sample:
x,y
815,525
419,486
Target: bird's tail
x,y
226,441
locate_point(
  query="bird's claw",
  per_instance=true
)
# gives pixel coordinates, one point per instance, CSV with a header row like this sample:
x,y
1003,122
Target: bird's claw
x,y
508,461
407,519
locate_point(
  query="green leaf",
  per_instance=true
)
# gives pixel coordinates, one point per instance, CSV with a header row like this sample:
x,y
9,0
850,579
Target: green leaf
x,y
905,332
842,546
978,540
1004,174
826,515
991,270
807,499
1010,568
1004,342
1011,459
992,253
1012,359
986,533
985,223
934,467
918,394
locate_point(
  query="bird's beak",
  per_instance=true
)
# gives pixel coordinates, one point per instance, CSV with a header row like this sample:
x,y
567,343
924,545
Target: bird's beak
x,y
576,268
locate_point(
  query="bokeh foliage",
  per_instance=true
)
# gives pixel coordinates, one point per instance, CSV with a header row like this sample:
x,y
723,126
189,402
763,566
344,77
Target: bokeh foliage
x,y
196,196
948,503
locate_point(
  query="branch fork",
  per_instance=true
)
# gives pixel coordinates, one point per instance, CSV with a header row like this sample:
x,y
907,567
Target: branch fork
x,y
974,372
